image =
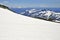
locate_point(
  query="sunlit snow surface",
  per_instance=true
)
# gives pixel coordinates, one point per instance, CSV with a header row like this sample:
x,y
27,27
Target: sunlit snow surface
x,y
18,27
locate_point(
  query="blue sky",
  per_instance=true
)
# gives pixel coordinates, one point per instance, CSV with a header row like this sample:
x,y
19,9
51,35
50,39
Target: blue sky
x,y
31,3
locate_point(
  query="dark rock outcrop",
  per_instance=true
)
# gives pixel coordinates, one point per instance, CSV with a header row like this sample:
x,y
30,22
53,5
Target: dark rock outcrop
x,y
3,6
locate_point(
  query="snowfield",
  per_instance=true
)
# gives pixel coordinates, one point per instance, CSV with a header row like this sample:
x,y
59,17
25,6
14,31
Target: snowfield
x,y
17,27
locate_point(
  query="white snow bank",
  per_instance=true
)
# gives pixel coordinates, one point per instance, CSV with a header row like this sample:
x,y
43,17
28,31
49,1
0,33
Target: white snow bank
x,y
17,27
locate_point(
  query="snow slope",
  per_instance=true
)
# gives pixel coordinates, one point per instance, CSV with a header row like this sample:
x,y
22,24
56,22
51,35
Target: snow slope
x,y
17,27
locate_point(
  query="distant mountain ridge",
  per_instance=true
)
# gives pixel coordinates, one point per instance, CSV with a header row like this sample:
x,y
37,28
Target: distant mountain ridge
x,y
43,14
40,14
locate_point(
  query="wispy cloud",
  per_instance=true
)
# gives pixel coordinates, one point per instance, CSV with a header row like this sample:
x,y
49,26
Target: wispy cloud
x,y
43,5
35,3
5,2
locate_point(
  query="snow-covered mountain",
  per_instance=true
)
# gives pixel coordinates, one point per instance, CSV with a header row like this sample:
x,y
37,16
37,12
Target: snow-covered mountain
x,y
17,27
44,14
